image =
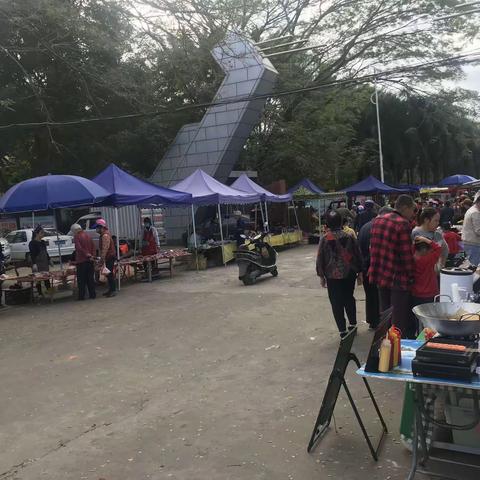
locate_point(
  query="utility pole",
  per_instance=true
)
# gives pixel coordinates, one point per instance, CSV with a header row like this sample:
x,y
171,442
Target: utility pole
x,y
382,176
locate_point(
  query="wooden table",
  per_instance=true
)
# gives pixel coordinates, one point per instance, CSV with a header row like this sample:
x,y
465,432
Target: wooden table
x,y
138,263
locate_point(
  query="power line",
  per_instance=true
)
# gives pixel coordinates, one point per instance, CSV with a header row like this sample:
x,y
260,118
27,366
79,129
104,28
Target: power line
x,y
464,58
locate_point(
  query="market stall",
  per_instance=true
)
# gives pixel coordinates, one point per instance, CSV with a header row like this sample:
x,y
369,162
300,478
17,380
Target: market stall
x,y
52,192
205,190
316,203
126,189
151,266
441,410
245,184
18,293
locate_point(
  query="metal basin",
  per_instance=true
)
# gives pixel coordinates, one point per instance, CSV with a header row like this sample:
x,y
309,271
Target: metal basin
x,y
437,316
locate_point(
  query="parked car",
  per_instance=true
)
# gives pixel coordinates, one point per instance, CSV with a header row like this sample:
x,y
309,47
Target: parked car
x,y
6,249
19,240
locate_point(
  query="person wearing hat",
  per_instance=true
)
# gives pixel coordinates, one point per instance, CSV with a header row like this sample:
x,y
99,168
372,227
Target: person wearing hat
x,y
240,227
107,254
471,231
84,258
39,256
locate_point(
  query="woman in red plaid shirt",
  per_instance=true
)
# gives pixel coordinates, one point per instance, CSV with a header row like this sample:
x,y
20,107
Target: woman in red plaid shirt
x,y
391,262
339,262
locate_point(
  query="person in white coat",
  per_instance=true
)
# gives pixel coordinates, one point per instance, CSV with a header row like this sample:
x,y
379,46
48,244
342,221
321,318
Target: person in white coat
x,y
471,231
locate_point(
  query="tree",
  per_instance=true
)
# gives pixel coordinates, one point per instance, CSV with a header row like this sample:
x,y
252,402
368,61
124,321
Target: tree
x,y
60,61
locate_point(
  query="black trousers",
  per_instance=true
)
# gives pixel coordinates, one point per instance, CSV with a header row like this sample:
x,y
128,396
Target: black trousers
x,y
399,300
372,303
340,294
109,263
85,279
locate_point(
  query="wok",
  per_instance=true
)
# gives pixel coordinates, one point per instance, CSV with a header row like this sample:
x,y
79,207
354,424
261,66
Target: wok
x,y
437,316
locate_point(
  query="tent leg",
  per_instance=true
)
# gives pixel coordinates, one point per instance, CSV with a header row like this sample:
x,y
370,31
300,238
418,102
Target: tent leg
x,y
137,234
263,217
319,218
266,217
296,216
58,241
117,225
195,236
33,220
221,233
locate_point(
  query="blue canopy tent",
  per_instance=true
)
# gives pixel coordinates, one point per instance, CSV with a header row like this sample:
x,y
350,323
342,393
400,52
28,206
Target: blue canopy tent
x,y
245,184
206,190
371,186
126,189
305,188
51,192
455,180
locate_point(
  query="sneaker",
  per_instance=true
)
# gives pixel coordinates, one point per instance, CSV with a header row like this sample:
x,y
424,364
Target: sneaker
x,y
110,294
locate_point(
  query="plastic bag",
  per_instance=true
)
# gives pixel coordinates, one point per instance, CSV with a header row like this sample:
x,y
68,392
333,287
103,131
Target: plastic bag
x,y
105,271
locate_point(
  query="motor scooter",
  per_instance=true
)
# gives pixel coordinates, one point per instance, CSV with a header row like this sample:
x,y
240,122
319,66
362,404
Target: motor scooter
x,y
255,258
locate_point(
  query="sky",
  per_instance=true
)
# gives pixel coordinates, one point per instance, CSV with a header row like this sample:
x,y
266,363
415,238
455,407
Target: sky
x,y
472,81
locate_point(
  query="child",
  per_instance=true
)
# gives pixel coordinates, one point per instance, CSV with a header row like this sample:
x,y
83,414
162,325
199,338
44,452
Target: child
x,y
453,239
347,229
425,286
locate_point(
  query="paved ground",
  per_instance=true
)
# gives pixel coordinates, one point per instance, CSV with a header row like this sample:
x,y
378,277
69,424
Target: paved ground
x,y
198,377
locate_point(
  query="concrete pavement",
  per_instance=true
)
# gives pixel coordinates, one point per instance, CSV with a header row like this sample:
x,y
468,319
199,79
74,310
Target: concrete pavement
x,y
198,377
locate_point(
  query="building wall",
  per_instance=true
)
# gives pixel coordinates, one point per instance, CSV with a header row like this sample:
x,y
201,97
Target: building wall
x,y
214,144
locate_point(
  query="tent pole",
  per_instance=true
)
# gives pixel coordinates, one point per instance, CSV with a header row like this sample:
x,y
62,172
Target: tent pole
x,y
221,233
117,225
33,220
58,241
137,232
195,236
263,217
266,217
319,218
296,216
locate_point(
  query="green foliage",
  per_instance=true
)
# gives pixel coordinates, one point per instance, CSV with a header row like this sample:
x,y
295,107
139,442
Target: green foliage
x,y
64,60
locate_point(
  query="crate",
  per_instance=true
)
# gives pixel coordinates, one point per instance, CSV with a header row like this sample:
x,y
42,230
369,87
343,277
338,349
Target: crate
x,y
18,296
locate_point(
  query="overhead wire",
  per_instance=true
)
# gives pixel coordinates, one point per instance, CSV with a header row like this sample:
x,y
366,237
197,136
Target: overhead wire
x,y
456,60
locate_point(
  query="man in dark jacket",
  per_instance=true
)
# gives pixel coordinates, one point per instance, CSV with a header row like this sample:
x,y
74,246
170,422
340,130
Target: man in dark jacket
x,y
364,217
372,305
84,261
447,213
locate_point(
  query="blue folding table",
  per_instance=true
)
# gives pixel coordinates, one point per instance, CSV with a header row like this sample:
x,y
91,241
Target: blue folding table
x,y
403,373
